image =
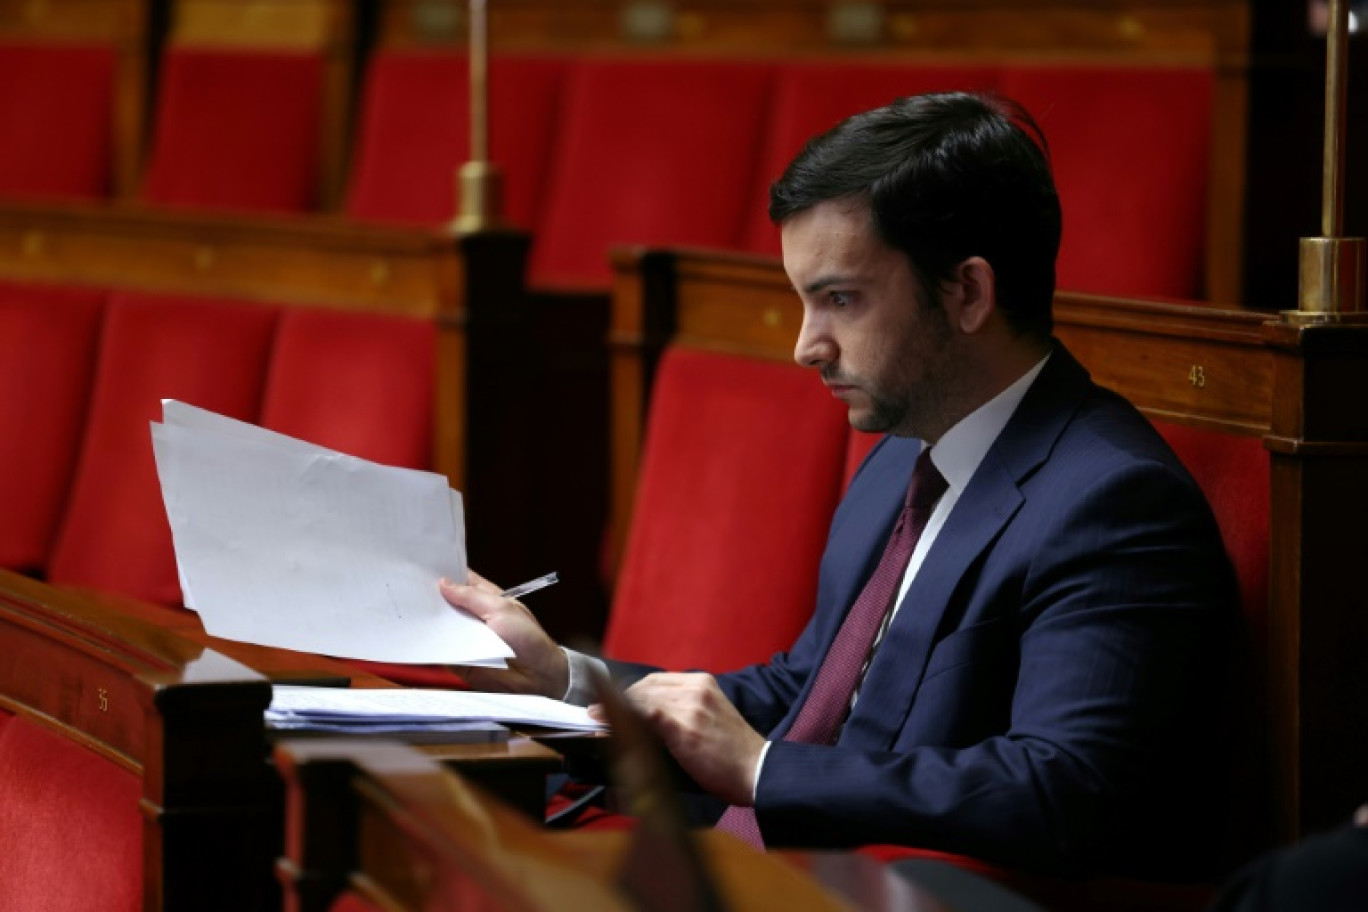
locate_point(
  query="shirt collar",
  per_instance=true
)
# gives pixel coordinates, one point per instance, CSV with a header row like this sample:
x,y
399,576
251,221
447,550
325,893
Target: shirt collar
x,y
960,450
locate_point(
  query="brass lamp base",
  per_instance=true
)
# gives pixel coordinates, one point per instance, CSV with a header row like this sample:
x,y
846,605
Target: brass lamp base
x,y
481,192
1331,281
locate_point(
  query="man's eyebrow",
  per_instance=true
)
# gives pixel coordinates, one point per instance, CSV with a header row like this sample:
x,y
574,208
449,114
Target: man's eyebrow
x,y
823,282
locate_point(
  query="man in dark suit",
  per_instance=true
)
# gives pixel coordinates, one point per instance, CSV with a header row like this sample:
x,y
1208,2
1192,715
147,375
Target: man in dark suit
x,y
1014,644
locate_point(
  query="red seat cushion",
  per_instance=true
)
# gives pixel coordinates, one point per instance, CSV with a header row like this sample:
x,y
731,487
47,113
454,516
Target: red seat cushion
x,y
415,134
359,383
211,354
48,337
70,829
1130,149
810,98
857,449
741,470
57,117
237,130
678,171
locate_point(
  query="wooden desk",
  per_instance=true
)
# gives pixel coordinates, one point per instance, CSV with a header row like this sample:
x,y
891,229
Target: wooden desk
x,y
144,687
383,822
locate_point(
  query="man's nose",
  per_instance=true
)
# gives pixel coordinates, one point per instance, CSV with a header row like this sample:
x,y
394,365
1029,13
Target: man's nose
x,y
813,348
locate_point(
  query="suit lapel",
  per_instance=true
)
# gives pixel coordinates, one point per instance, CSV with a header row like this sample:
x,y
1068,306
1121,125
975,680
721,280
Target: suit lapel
x,y
991,499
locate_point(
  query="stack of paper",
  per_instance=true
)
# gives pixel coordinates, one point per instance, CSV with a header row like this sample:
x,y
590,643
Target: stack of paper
x,y
411,709
287,544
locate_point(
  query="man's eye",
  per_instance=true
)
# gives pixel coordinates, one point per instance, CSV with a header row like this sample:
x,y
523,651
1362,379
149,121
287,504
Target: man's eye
x,y
840,299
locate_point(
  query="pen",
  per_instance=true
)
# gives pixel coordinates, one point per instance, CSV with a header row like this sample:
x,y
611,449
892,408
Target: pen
x,y
522,589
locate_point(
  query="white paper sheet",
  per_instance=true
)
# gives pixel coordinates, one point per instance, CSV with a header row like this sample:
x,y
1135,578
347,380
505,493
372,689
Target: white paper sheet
x,y
284,543
403,704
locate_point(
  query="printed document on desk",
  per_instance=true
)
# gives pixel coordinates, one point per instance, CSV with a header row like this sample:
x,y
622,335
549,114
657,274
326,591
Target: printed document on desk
x,y
283,543
407,705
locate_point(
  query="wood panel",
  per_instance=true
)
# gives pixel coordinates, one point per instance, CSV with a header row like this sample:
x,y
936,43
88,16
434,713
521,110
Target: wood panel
x,y
1191,31
1189,363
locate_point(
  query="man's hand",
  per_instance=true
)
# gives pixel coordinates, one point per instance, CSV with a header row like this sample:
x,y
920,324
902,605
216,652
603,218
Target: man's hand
x,y
538,667
703,730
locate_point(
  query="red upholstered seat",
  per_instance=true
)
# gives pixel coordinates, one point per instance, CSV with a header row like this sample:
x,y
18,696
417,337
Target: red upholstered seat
x,y
211,354
857,449
48,337
810,98
1233,472
359,383
678,171
1130,149
57,120
237,130
415,133
70,829
741,470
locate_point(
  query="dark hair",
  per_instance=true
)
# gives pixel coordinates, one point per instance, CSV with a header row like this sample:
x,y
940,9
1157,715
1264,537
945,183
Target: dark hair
x,y
947,177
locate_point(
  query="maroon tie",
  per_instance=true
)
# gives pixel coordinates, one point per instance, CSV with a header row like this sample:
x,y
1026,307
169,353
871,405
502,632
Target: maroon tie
x,y
819,721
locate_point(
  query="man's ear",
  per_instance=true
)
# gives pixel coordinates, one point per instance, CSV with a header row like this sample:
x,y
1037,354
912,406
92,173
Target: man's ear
x,y
972,297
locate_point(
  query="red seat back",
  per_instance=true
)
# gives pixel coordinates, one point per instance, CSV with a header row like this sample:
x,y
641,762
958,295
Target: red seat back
x,y
1233,472
211,354
237,129
810,98
741,470
1131,150
857,449
70,828
48,338
57,120
677,171
415,134
359,383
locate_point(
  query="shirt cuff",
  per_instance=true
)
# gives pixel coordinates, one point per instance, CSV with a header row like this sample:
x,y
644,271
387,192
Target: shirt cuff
x,y
580,691
759,765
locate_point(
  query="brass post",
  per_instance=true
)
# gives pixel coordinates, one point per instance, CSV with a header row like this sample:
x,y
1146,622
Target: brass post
x,y
480,180
1331,267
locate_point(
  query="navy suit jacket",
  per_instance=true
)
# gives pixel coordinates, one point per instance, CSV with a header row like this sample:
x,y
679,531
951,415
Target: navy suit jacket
x,y
1044,694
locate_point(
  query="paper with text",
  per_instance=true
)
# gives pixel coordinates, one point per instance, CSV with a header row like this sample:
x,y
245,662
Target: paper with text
x,y
283,543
